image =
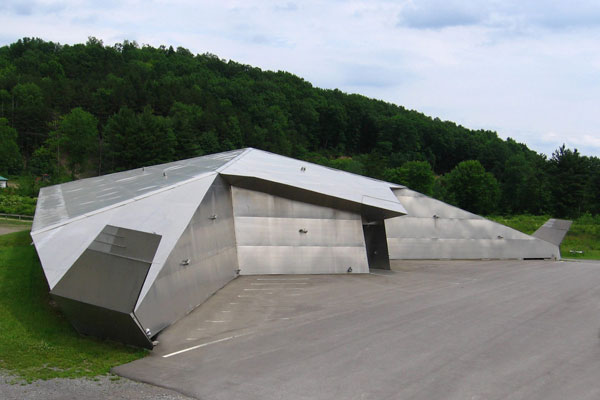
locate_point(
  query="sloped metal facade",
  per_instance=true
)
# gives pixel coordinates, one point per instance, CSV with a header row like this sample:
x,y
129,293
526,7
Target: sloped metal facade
x,y
128,254
433,229
203,260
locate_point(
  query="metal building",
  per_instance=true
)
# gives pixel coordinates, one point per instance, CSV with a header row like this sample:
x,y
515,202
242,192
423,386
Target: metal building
x,y
432,229
127,254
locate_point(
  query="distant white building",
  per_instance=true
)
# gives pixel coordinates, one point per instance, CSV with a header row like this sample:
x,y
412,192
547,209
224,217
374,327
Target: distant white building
x,y
3,182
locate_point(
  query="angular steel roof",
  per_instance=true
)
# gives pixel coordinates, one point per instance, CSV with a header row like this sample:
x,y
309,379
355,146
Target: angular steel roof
x,y
162,199
315,178
62,203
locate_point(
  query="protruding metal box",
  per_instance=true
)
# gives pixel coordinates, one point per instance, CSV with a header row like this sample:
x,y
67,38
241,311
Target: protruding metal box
x,y
99,292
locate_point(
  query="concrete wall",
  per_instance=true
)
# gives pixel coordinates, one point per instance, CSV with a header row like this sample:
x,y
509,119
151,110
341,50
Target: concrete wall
x,y
276,235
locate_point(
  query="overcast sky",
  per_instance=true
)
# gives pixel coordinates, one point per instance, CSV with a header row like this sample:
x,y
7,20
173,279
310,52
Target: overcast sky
x,y
528,69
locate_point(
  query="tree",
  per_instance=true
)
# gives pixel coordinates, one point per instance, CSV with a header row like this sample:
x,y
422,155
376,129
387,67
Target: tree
x,y
29,116
10,157
42,162
417,175
77,137
187,126
161,104
134,140
592,189
377,160
569,179
525,186
472,188
348,164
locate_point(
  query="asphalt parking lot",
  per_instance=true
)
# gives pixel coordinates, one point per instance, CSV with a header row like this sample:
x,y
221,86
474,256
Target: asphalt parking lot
x,y
426,330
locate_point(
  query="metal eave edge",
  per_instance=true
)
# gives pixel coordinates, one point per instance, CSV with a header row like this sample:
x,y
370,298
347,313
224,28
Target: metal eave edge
x,y
122,203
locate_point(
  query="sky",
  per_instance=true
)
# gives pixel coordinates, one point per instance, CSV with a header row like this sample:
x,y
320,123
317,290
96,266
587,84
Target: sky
x,y
527,69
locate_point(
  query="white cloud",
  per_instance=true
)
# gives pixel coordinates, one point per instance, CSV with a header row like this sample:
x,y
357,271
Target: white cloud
x,y
521,68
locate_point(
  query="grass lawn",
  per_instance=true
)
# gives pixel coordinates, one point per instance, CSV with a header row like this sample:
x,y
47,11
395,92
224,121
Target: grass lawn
x,y
36,341
584,234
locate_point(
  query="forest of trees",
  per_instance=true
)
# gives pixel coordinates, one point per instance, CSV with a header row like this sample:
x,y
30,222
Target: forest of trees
x,y
73,111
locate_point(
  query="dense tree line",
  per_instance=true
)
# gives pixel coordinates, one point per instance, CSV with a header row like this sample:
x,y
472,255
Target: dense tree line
x,y
70,111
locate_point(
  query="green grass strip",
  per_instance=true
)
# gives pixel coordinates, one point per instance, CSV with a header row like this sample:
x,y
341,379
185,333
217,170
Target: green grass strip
x,y
584,234
36,341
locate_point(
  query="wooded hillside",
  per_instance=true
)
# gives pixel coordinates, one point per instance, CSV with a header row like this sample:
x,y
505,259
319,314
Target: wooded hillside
x,y
88,109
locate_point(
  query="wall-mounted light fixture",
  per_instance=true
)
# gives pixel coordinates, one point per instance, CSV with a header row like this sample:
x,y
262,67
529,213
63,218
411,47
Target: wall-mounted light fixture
x,y
213,217
185,262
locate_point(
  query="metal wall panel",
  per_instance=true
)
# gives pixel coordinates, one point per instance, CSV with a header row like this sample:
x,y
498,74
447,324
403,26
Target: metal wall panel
x,y
320,180
252,203
415,249
435,230
258,260
553,231
167,214
282,236
100,322
99,292
419,205
447,228
267,231
203,260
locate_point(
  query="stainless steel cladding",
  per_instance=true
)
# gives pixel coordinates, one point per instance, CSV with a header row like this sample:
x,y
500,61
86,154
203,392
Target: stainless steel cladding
x,y
553,231
128,254
277,174
276,235
98,293
188,204
63,202
435,230
202,261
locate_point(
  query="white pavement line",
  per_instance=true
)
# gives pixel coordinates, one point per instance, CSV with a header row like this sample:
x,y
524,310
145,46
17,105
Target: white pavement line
x,y
282,279
205,344
208,320
280,283
225,310
233,303
287,288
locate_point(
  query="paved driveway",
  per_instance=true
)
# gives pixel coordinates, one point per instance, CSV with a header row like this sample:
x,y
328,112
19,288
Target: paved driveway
x,y
427,330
